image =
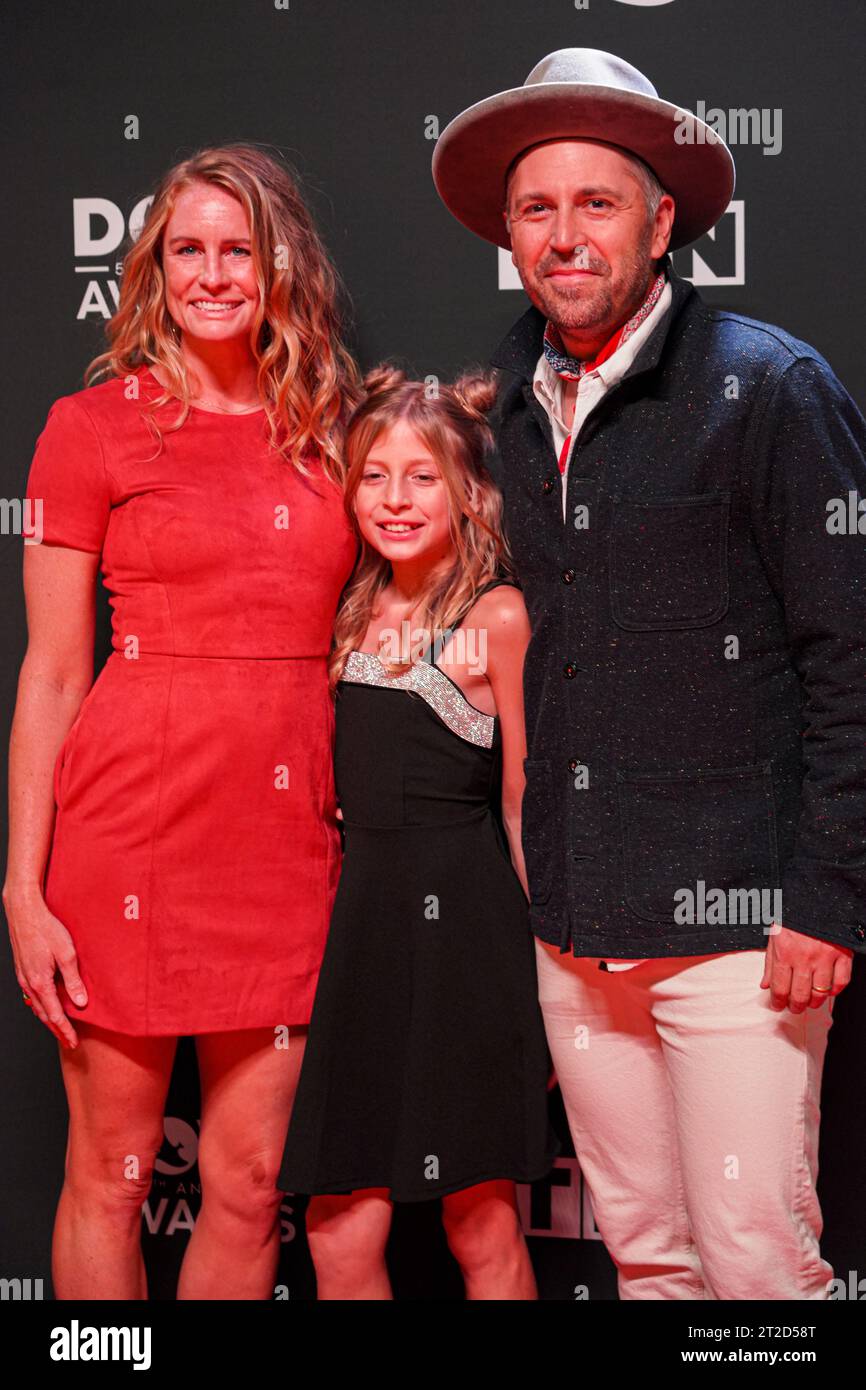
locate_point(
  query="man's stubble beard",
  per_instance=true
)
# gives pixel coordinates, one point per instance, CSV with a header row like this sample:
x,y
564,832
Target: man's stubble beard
x,y
593,303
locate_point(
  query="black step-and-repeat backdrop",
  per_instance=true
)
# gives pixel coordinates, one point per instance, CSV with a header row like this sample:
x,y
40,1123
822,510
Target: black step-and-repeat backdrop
x,y
106,96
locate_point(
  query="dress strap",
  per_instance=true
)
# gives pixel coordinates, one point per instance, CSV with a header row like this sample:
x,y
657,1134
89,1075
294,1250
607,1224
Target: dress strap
x,y
435,646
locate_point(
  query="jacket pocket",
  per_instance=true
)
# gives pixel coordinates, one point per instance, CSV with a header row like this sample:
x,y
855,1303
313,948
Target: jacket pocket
x,y
717,825
535,813
669,562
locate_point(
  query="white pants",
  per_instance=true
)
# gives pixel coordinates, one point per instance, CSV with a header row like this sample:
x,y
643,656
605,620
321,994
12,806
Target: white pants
x,y
693,1108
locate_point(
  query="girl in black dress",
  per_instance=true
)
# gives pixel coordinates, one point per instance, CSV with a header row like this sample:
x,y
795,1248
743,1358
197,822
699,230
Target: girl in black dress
x,y
426,1065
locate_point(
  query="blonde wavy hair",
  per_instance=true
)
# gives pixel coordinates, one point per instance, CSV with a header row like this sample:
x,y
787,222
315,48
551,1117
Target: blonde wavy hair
x,y
452,424
307,379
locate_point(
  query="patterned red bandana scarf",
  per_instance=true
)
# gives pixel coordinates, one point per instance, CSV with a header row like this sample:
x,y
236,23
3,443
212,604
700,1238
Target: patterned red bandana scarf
x,y
573,368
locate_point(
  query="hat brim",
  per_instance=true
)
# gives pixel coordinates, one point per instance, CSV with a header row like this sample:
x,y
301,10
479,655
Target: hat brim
x,y
473,153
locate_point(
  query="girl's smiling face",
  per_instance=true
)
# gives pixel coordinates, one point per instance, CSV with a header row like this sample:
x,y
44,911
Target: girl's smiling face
x,y
402,504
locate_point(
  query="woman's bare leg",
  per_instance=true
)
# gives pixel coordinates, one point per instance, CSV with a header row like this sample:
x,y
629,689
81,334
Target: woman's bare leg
x,y
248,1084
116,1087
485,1237
347,1236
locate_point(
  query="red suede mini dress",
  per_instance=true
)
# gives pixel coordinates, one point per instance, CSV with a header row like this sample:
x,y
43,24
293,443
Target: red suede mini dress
x,y
196,850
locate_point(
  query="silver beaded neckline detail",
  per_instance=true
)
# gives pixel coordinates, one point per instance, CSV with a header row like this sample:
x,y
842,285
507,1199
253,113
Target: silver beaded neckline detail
x,y
434,687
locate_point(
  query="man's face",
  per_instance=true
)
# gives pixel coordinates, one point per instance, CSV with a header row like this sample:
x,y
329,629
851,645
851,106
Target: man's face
x,y
582,194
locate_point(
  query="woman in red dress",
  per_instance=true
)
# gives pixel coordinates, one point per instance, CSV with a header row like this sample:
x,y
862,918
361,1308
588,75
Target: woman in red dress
x,y
174,848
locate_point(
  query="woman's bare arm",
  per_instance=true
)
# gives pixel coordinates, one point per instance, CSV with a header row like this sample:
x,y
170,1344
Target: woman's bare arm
x,y
56,674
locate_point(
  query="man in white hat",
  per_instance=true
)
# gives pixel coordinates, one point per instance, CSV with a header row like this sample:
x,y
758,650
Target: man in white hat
x,y
693,820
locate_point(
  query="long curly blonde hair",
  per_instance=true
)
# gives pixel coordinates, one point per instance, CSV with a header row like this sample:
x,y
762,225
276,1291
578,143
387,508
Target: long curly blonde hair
x,y
451,421
307,379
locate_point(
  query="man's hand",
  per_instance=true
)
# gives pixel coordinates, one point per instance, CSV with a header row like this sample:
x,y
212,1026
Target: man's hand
x,y
802,971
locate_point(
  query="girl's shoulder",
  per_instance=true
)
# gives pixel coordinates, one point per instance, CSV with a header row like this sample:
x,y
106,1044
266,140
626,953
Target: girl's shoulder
x,y
499,596
499,609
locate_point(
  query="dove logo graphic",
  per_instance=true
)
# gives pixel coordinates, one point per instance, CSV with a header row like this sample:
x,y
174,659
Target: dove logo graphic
x,y
98,230
179,1149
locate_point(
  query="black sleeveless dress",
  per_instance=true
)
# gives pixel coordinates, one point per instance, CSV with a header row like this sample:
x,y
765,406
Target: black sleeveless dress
x,y
426,1063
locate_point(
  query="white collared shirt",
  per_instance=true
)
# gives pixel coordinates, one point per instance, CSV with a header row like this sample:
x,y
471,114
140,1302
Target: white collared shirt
x,y
548,386
549,390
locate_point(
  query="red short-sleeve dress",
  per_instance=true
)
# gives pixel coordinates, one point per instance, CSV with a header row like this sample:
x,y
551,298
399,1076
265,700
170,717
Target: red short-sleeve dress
x,y
196,850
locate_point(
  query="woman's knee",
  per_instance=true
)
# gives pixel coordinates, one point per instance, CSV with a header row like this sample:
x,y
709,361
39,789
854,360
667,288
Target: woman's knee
x,y
112,1176
241,1185
115,1086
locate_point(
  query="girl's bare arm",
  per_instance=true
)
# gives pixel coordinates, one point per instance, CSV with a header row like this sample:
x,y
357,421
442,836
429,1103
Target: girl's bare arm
x,y
508,631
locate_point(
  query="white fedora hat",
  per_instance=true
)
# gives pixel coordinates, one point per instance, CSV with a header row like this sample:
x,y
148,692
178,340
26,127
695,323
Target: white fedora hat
x,y
582,93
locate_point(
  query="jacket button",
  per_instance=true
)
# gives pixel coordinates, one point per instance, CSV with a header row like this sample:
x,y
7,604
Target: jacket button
x,y
569,670
567,576
548,485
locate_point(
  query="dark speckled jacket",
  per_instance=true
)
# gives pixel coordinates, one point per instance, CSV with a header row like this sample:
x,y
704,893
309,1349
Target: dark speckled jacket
x,y
695,685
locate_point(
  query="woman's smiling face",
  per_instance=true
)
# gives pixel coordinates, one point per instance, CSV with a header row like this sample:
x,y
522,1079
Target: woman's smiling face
x,y
211,290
